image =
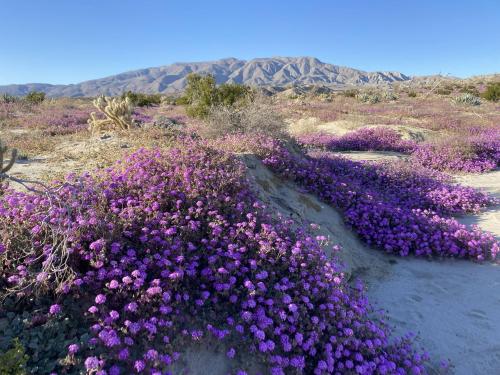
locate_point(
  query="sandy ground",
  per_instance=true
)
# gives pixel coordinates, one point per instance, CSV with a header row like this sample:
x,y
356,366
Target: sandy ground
x,y
452,305
490,182
342,127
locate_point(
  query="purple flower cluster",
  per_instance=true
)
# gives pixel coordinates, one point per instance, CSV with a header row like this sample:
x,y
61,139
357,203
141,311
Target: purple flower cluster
x,y
472,154
57,120
364,139
398,212
173,246
141,117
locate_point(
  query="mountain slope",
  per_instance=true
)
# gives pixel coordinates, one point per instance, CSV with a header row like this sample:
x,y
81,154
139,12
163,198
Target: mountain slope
x,y
275,71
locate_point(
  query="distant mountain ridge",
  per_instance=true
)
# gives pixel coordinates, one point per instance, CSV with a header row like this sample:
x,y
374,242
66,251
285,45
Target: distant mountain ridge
x,y
275,71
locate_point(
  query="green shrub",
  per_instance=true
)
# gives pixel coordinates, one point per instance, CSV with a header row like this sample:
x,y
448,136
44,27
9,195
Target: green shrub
x,y
492,92
6,98
371,98
351,93
469,89
35,97
202,94
231,93
142,100
443,91
389,95
13,361
412,94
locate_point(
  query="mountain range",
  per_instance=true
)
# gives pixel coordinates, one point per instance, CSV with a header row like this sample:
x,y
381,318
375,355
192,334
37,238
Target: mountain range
x,y
169,79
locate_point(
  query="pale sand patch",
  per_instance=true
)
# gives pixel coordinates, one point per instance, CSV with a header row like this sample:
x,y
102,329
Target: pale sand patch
x,y
488,220
371,155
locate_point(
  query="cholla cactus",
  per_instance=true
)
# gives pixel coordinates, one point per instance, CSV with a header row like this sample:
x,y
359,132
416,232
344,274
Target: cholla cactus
x,y
118,114
467,99
389,95
3,154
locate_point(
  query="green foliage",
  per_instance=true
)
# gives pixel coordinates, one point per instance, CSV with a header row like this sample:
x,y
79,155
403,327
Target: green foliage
x,y
45,338
231,93
202,94
492,92
351,93
6,98
469,89
412,94
142,100
35,97
389,95
367,97
443,91
14,360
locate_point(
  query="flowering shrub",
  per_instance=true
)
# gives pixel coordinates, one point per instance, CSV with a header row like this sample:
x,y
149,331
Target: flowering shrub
x,y
57,120
168,248
397,214
474,151
469,153
364,139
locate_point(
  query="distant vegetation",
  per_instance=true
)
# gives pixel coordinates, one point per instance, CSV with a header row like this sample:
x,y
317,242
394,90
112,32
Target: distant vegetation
x,y
492,92
202,93
467,99
142,100
35,97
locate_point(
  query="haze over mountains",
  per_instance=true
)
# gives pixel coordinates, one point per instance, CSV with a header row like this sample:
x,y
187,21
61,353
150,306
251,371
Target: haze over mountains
x,y
275,71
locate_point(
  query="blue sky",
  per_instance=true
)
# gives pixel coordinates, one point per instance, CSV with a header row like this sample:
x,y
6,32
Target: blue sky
x,y
68,41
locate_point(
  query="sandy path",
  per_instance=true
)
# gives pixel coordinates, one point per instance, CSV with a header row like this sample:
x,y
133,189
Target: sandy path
x,y
488,220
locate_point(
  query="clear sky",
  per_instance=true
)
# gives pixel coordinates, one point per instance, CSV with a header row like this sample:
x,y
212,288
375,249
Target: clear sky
x,y
68,41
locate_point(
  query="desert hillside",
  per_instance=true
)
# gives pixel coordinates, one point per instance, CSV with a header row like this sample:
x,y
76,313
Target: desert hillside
x,y
275,71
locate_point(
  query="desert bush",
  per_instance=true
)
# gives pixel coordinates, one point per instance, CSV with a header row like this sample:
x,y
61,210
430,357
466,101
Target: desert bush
x,y
367,97
469,89
142,100
118,113
202,93
412,94
443,91
35,97
351,93
57,120
364,139
259,116
6,98
467,99
389,95
459,153
13,361
492,92
230,94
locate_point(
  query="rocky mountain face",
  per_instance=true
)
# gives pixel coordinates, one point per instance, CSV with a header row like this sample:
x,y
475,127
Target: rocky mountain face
x,y
275,71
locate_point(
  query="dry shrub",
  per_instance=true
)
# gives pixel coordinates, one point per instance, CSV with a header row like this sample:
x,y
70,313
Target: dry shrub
x,y
304,126
257,117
